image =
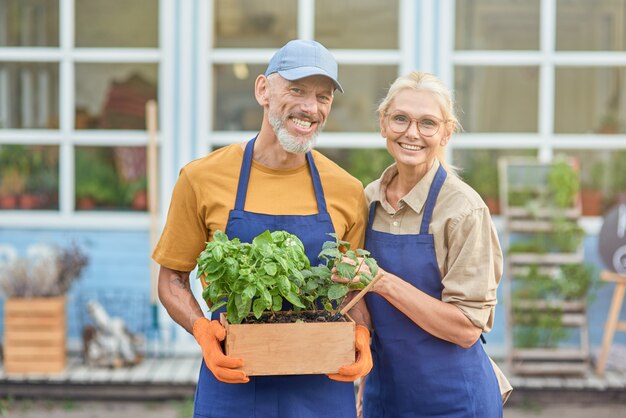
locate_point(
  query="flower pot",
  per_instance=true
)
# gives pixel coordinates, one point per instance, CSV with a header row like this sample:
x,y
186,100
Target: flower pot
x,y
34,335
291,348
591,202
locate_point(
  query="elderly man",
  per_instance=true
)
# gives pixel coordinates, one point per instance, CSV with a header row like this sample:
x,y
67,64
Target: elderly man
x,y
274,181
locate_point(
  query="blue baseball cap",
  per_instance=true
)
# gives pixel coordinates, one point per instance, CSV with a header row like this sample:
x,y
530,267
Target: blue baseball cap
x,y
302,58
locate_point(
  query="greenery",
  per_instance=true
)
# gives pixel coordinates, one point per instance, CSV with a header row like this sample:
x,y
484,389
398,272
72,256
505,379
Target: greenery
x,y
544,327
563,183
257,277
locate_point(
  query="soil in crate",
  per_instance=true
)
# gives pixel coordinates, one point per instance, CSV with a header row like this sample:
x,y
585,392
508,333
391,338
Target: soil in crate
x,y
287,317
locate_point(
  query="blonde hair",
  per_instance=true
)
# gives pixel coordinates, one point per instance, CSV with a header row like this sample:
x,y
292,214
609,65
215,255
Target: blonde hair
x,y
421,81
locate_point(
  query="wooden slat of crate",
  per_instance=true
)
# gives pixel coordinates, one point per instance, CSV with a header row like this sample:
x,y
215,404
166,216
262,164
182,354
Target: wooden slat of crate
x,y
34,338
293,348
551,258
522,212
563,306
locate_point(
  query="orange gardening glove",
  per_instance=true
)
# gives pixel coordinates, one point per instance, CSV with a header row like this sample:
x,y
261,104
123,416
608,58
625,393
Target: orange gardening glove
x,y
209,334
363,363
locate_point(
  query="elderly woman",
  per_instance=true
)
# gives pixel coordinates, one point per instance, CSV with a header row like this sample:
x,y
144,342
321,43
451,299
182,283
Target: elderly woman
x,y
441,263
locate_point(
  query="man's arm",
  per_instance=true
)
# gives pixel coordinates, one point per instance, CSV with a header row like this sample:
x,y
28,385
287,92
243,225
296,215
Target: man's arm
x,y
175,294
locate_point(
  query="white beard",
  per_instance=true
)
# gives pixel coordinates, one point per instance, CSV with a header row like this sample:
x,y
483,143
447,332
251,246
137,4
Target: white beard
x,y
290,143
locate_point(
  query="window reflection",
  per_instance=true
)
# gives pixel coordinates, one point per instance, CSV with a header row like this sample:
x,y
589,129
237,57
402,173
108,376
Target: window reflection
x,y
364,86
117,23
589,100
254,23
497,24
29,23
29,177
236,109
583,25
367,26
111,178
113,96
497,99
29,95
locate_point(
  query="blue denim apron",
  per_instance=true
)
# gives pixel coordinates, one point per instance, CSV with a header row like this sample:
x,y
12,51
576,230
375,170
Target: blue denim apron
x,y
302,396
416,374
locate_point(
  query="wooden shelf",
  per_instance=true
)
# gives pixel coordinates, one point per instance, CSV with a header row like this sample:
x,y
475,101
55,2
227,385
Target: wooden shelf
x,y
523,174
546,259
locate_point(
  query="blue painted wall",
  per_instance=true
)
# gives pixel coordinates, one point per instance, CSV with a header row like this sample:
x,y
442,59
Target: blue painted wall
x,y
117,276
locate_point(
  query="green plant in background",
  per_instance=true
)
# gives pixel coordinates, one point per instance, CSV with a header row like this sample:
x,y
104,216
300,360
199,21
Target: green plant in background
x,y
481,172
522,197
539,328
576,282
563,183
97,179
544,328
256,277
368,164
567,235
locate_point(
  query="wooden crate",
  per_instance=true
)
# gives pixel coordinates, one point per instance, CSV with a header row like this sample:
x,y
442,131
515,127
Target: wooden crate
x,y
34,335
295,348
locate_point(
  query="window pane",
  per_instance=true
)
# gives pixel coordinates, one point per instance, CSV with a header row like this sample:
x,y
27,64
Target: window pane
x,y
365,164
497,24
590,99
497,99
235,107
29,95
602,177
29,177
117,23
113,96
364,86
111,178
254,23
479,169
583,25
29,23
368,24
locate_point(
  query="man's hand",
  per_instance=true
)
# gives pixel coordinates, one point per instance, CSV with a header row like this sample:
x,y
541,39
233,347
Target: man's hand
x,y
209,334
363,363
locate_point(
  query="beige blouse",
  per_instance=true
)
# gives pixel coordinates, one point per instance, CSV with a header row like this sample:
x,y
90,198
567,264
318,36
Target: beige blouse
x,y
466,243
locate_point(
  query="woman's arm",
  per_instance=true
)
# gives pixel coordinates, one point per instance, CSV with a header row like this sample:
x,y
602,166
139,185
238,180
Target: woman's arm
x,y
441,319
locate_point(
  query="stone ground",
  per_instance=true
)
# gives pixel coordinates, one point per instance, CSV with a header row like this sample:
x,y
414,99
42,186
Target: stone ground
x,y
183,409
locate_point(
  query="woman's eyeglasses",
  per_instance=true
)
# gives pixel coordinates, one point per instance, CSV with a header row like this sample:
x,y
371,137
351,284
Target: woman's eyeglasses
x,y
426,125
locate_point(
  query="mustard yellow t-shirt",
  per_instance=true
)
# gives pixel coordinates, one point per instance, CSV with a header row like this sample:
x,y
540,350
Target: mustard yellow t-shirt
x,y
206,190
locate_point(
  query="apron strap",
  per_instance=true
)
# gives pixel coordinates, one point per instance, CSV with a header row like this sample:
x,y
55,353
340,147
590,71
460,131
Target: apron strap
x,y
317,184
244,175
244,178
440,177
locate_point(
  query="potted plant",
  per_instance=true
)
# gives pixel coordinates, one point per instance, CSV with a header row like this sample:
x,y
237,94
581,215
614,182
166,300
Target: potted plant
x,y
591,191
34,311
11,186
252,280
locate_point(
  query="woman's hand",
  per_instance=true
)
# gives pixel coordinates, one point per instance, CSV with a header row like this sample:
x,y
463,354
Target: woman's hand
x,y
363,268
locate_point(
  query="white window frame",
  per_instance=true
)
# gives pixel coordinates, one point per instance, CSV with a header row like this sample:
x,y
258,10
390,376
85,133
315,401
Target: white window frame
x,y
547,59
67,138
403,58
